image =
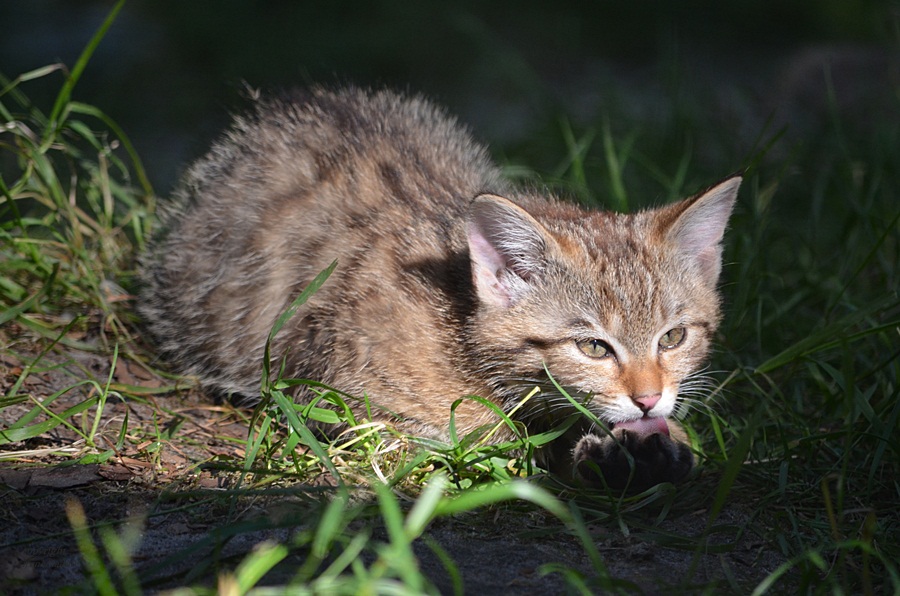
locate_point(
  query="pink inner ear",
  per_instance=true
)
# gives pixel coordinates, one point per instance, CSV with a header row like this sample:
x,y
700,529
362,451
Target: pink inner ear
x,y
702,244
507,248
710,261
487,266
701,227
699,230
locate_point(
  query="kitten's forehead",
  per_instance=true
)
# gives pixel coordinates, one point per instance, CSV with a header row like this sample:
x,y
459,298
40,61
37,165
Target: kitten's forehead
x,y
630,283
634,300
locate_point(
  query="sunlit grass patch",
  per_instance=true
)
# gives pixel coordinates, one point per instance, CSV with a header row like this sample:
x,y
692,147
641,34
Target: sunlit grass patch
x,y
74,206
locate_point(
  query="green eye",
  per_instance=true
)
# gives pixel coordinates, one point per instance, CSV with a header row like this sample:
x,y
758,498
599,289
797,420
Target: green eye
x,y
595,348
672,338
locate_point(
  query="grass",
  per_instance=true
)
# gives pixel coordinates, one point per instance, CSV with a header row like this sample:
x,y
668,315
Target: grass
x,y
801,433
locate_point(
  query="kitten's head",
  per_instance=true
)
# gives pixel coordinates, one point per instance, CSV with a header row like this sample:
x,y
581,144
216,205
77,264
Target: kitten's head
x,y
622,307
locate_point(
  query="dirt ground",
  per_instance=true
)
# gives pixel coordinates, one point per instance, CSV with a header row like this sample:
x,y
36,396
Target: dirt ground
x,y
163,490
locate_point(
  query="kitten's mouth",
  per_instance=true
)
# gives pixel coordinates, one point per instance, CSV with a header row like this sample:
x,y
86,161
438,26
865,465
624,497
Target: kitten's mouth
x,y
645,426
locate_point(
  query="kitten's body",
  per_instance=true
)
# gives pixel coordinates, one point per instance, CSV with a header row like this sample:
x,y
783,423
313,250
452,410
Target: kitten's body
x,y
435,296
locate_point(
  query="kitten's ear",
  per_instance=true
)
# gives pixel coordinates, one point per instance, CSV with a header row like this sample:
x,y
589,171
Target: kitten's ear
x,y
697,231
507,249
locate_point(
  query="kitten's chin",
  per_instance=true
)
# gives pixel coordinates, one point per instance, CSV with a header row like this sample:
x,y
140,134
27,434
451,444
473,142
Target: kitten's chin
x,y
645,426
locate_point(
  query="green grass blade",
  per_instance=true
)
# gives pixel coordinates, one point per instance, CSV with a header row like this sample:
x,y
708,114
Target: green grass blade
x,y
31,75
301,299
449,565
498,493
423,510
29,303
330,525
89,110
35,430
65,93
615,164
89,553
399,553
258,563
307,437
824,339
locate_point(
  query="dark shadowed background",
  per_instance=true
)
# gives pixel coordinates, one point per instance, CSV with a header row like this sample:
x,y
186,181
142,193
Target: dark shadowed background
x,y
522,74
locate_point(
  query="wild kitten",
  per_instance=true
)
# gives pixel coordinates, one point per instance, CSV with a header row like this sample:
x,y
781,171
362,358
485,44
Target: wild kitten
x,y
450,282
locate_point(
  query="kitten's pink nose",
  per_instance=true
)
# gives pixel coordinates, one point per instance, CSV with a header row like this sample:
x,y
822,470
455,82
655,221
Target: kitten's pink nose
x,y
646,402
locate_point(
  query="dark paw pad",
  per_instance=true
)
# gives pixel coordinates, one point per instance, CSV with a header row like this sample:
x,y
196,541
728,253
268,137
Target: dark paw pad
x,y
602,460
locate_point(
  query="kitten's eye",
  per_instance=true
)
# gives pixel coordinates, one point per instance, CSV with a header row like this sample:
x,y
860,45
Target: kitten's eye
x,y
595,348
672,338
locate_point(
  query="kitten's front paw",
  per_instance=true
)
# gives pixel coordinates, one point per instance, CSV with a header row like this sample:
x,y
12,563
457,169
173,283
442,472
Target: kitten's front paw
x,y
601,460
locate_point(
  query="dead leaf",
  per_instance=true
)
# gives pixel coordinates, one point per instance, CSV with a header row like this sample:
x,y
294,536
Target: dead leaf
x,y
129,372
134,463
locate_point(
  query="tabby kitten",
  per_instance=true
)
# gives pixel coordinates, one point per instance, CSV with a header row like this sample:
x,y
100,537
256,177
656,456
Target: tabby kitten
x,y
449,282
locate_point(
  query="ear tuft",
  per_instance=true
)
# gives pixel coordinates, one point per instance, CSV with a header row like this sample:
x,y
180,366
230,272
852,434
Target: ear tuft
x,y
697,232
507,248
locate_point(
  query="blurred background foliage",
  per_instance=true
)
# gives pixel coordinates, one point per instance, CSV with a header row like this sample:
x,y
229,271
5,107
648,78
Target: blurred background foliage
x,y
169,72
